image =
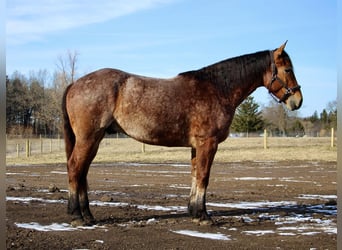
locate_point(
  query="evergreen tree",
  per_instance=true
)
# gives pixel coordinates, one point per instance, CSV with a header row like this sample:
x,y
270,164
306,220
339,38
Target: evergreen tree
x,y
18,100
314,118
332,114
324,119
248,117
297,128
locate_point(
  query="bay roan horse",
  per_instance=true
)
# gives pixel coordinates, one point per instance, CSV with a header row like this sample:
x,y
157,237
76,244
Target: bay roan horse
x,y
193,109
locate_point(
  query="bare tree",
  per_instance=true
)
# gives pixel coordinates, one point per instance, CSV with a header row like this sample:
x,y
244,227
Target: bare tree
x,y
277,118
64,75
67,67
34,103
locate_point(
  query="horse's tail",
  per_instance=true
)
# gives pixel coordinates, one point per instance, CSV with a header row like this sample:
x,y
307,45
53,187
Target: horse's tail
x,y
69,136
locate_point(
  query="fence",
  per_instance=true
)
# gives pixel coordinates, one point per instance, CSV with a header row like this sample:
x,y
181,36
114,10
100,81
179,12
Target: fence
x,y
332,138
27,147
18,148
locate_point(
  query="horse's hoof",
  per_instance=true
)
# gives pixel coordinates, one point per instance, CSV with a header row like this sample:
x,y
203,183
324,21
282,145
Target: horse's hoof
x,y
89,221
208,222
203,222
78,223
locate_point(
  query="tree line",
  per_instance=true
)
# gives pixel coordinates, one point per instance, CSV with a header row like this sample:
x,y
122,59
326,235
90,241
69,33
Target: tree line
x,y
251,119
33,108
33,103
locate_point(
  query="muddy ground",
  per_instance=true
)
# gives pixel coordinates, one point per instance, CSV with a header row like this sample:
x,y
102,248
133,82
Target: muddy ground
x,y
256,205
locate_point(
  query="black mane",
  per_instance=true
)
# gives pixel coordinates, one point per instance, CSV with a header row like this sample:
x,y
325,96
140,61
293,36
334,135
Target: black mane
x,y
243,69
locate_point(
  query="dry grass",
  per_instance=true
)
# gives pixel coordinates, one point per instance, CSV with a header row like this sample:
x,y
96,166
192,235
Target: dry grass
x,y
232,150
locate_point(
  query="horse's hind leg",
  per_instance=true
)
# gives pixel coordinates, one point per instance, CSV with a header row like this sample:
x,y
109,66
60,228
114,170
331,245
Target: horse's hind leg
x,y
78,166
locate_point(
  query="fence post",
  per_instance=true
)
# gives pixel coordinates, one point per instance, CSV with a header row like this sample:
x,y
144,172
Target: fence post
x,y
50,145
143,147
41,144
18,150
59,141
28,148
332,137
265,139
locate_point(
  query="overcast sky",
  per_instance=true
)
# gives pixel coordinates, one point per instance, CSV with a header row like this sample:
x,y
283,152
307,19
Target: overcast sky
x,y
162,38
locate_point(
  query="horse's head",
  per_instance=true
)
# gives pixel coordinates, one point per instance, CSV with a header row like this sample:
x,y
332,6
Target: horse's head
x,y
282,83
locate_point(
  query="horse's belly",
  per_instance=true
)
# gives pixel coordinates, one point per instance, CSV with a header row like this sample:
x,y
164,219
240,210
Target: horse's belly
x,y
155,132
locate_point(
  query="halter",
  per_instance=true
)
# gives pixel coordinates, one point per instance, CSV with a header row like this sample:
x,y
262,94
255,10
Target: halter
x,y
289,91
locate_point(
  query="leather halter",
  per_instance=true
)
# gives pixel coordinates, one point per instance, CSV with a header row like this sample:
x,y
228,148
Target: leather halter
x,y
288,91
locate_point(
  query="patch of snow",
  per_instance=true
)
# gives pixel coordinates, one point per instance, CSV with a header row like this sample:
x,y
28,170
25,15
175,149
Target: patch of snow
x,y
59,172
212,236
253,205
162,208
259,232
53,227
151,221
316,196
29,199
179,186
253,178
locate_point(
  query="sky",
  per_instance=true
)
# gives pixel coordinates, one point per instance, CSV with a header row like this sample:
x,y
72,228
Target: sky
x,y
161,38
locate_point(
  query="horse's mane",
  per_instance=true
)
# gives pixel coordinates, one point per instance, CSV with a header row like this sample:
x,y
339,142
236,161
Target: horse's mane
x,y
245,69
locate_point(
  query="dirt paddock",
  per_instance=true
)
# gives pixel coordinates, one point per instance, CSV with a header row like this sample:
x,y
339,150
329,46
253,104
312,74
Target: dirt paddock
x,y
255,204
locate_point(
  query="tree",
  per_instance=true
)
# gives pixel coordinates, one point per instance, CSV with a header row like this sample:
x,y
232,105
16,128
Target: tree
x,y
296,128
332,114
67,67
312,124
276,117
42,105
279,121
248,117
33,105
314,118
324,119
18,104
65,75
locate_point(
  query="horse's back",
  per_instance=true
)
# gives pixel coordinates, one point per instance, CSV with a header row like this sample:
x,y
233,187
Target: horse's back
x,y
169,112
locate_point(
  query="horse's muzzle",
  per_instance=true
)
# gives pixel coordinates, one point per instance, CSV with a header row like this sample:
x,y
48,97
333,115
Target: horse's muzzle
x,y
294,102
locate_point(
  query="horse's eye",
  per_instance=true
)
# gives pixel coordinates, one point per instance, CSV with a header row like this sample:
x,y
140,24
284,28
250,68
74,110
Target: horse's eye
x,y
288,70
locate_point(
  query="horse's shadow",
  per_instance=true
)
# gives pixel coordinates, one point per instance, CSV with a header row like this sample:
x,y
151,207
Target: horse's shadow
x,y
328,209
142,218
321,209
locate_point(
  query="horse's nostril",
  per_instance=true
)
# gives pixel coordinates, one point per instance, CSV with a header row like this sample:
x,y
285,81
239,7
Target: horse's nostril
x,y
294,104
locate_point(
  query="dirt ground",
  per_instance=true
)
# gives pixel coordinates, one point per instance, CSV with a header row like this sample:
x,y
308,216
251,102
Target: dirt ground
x,y
256,205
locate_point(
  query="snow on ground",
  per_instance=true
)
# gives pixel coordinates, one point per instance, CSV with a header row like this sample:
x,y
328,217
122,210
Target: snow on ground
x,y
292,224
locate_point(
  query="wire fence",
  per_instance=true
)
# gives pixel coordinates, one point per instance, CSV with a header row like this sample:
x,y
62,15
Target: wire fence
x,y
27,147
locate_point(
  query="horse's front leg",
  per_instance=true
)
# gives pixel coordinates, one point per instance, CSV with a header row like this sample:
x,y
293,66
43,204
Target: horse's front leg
x,y
193,191
201,162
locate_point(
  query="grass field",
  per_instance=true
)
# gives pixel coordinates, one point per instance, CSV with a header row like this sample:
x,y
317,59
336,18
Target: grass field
x,y
231,150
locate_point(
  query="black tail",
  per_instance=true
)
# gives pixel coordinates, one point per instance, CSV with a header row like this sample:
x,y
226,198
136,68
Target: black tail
x,y
69,136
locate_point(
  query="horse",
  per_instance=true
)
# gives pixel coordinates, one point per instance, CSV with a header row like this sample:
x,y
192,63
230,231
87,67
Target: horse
x,y
193,109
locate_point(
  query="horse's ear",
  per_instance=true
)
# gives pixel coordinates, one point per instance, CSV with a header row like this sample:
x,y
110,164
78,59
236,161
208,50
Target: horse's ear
x,y
280,50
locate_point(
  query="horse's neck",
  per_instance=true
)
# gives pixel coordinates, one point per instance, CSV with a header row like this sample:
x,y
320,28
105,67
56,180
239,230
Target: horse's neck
x,y
238,77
